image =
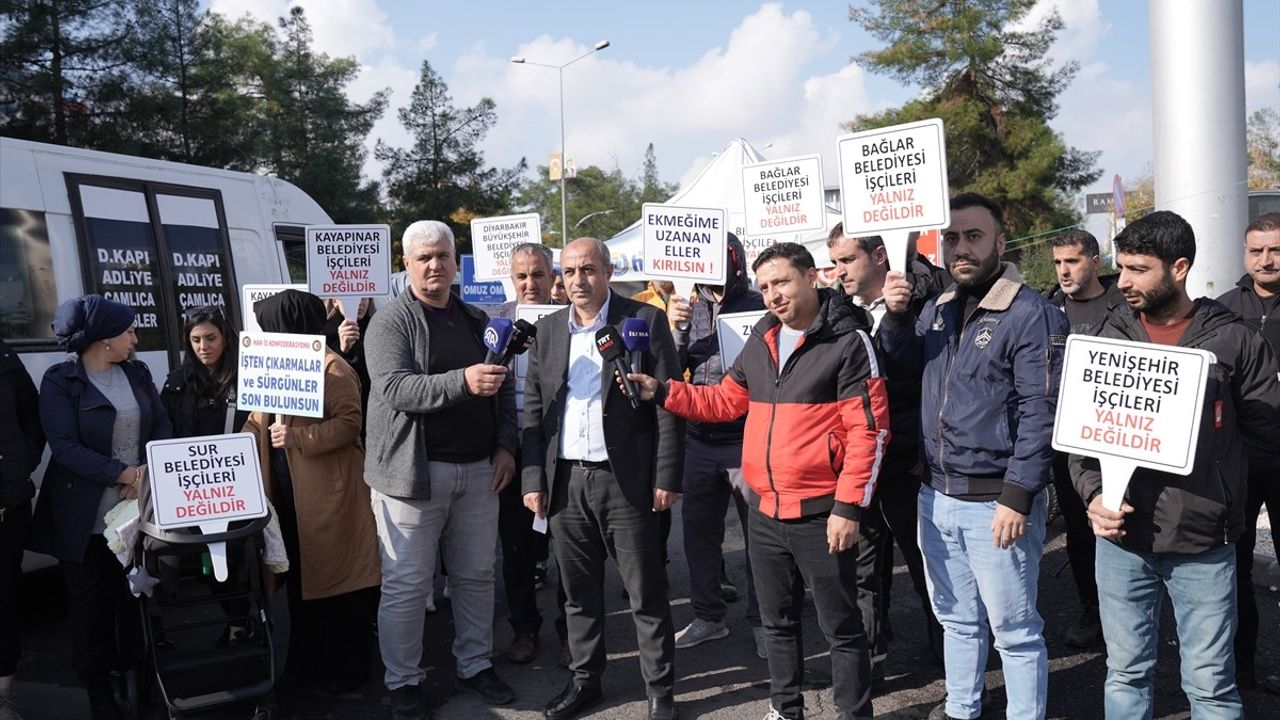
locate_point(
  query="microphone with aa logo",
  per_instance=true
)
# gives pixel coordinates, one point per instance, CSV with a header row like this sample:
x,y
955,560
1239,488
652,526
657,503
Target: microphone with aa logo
x,y
497,335
610,346
635,337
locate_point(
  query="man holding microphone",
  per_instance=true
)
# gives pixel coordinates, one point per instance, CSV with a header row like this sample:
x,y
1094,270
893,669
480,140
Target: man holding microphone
x,y
817,422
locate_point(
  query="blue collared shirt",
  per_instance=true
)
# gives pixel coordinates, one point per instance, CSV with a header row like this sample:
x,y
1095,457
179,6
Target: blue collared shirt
x,y
582,432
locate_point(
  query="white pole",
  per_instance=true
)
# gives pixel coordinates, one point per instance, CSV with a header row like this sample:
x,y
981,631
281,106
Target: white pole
x,y
1197,102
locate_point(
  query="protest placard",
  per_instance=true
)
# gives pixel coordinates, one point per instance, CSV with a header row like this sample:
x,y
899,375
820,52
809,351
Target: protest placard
x,y
281,373
349,260
206,482
684,243
529,313
784,196
732,332
493,238
252,293
475,291
894,178
1130,405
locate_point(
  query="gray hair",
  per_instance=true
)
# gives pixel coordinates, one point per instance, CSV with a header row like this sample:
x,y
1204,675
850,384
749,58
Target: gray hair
x,y
427,232
537,249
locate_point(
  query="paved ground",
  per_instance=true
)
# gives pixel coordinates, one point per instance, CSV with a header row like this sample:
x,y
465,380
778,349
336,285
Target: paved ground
x,y
720,680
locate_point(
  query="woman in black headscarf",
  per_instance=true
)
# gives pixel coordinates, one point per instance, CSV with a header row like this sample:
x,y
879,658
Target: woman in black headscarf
x,y
313,470
98,411
199,395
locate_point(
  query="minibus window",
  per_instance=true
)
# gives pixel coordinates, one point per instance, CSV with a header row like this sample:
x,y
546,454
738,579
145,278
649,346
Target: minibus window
x,y
28,295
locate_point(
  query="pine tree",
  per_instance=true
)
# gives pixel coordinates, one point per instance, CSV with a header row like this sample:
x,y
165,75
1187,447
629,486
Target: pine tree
x,y
442,175
995,91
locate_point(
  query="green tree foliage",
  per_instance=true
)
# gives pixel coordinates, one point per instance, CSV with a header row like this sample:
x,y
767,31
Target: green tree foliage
x,y
197,94
61,72
442,175
995,92
652,189
1263,148
315,134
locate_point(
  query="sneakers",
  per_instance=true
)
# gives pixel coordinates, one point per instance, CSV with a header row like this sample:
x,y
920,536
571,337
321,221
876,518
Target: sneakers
x,y
489,687
775,715
762,643
700,631
406,703
524,647
1087,632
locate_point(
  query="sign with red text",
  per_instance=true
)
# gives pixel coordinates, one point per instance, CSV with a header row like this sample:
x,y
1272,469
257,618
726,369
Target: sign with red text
x,y
202,480
281,373
784,196
493,239
684,243
1131,405
349,260
894,178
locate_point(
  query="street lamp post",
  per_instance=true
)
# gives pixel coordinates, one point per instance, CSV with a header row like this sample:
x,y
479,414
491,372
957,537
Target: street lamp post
x,y
564,198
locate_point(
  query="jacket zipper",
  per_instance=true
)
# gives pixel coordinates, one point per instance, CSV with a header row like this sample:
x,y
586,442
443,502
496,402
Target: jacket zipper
x,y
773,413
952,351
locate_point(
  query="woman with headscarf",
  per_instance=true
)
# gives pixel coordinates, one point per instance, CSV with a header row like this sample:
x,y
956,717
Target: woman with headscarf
x,y
313,470
98,411
198,395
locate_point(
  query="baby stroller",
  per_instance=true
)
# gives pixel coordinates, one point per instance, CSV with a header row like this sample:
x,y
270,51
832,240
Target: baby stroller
x,y
209,642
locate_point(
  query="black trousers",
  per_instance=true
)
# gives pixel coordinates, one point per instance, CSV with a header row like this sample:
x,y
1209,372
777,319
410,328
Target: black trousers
x,y
13,535
1261,490
520,546
1080,538
104,619
874,544
896,499
590,520
786,555
330,639
708,492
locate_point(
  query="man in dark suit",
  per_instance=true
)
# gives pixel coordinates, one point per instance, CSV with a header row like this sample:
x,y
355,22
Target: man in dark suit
x,y
604,472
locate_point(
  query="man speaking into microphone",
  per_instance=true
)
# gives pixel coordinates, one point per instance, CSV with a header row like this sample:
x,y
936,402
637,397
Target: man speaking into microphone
x,y
601,471
442,437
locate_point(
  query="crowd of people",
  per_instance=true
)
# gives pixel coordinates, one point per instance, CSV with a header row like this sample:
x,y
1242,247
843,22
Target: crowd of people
x,y
910,408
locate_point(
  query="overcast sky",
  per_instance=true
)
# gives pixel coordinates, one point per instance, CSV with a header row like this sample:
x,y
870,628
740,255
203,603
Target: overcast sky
x,y
688,76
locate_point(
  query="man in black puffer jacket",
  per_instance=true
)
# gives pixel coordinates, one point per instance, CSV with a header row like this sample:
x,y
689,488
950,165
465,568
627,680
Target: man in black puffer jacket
x,y
1256,299
713,455
1174,530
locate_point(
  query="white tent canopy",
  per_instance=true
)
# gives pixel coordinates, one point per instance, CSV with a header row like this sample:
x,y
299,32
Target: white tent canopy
x,y
719,185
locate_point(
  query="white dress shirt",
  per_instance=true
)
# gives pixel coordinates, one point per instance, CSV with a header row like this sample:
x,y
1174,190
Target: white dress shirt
x,y
582,431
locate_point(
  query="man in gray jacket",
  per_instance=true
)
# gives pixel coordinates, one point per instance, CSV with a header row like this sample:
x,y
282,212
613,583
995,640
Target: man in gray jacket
x,y
442,435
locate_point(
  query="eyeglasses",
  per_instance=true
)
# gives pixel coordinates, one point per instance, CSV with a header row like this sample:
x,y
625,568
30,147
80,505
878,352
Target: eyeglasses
x,y
218,311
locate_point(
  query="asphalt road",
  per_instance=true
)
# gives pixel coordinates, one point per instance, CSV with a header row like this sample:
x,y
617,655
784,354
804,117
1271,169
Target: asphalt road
x,y
718,680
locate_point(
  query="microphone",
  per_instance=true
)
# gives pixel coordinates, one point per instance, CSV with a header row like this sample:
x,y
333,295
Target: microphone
x,y
635,336
522,336
610,346
497,335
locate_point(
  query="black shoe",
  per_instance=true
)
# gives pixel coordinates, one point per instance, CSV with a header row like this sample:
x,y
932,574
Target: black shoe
x,y
571,701
663,708
489,687
406,703
1087,632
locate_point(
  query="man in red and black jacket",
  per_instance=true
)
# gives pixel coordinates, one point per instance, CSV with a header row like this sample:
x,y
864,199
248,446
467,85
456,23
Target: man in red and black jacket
x,y
817,425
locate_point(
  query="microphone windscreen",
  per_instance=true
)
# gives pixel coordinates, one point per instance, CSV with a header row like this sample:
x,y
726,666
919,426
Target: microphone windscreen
x,y
635,334
497,334
527,328
609,343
